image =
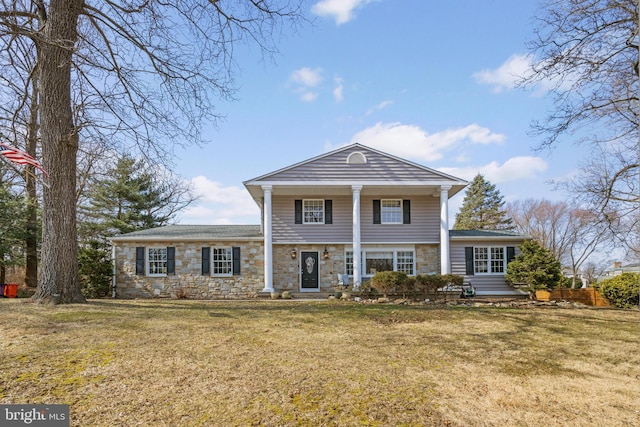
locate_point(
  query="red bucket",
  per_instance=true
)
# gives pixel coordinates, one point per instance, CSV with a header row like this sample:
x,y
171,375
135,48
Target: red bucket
x,y
10,290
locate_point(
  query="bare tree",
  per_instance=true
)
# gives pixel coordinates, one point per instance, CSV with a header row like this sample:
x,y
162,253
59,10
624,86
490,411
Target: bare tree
x,y
571,234
141,74
589,50
19,125
592,270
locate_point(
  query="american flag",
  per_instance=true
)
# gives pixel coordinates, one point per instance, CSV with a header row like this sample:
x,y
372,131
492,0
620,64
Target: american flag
x,y
20,157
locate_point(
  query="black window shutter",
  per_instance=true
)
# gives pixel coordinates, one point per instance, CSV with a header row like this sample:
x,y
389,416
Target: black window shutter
x,y
206,251
140,261
406,211
468,260
236,260
298,207
171,260
376,212
511,253
328,212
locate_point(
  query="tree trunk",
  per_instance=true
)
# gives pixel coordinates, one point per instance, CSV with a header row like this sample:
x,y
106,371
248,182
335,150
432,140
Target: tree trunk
x,y
59,279
31,241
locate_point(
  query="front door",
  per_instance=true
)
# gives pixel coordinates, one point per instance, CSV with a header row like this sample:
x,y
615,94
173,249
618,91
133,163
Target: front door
x,y
309,275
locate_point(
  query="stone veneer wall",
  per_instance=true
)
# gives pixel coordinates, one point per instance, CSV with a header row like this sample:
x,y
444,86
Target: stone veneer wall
x,y
286,271
427,259
188,282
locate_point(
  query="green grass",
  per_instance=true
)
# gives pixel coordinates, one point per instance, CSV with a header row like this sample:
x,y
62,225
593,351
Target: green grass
x,y
275,363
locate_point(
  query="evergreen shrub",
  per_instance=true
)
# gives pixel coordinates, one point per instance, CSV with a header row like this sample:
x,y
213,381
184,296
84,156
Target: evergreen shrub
x,y
622,291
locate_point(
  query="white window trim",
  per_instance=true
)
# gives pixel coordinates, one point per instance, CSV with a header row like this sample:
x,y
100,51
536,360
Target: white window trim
x,y
304,221
212,259
489,272
147,261
382,221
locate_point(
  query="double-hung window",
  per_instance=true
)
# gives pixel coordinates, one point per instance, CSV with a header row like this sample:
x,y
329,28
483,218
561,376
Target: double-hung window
x,y
221,261
313,211
488,260
391,211
157,261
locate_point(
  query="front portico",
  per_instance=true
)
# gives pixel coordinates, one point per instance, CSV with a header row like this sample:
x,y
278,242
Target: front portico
x,y
351,198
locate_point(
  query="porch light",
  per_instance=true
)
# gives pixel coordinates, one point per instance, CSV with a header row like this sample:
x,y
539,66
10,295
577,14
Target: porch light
x,y
325,254
294,253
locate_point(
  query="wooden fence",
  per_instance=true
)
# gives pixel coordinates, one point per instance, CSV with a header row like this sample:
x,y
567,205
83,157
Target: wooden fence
x,y
587,296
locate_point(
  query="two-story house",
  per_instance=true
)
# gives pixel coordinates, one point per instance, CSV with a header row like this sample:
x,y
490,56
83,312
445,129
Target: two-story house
x,y
348,213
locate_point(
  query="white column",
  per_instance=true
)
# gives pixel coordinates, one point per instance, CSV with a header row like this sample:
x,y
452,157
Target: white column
x,y
268,240
357,262
445,264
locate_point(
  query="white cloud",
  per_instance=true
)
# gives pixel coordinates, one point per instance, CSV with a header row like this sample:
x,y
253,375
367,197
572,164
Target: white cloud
x,y
338,94
508,74
518,67
380,106
307,77
309,96
514,169
217,204
410,141
340,10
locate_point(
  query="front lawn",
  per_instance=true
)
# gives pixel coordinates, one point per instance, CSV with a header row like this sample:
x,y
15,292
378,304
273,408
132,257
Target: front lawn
x,y
293,363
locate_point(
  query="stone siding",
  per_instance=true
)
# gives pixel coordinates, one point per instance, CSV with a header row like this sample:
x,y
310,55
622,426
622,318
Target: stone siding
x,y
427,259
188,281
286,271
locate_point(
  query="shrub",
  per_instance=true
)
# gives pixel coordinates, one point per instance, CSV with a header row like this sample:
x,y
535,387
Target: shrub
x,y
535,267
567,282
95,268
453,279
388,282
622,291
363,290
428,284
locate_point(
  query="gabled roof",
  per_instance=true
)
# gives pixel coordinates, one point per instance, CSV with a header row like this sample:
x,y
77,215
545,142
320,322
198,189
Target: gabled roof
x,y
194,232
485,234
354,164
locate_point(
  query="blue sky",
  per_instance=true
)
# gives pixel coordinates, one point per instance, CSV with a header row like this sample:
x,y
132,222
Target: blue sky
x,y
429,81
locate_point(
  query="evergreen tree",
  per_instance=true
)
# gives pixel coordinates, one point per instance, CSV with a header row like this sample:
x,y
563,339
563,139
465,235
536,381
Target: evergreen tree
x,y
535,266
129,198
126,199
13,223
482,208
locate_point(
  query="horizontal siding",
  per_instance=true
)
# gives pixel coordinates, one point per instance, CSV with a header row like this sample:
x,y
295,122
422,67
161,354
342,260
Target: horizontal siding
x,y
485,283
285,230
377,168
424,227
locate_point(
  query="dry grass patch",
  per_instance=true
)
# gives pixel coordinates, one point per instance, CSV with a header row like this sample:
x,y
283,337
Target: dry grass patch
x,y
125,363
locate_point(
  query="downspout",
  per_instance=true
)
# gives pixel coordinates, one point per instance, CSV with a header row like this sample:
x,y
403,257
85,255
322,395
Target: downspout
x,y
113,275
